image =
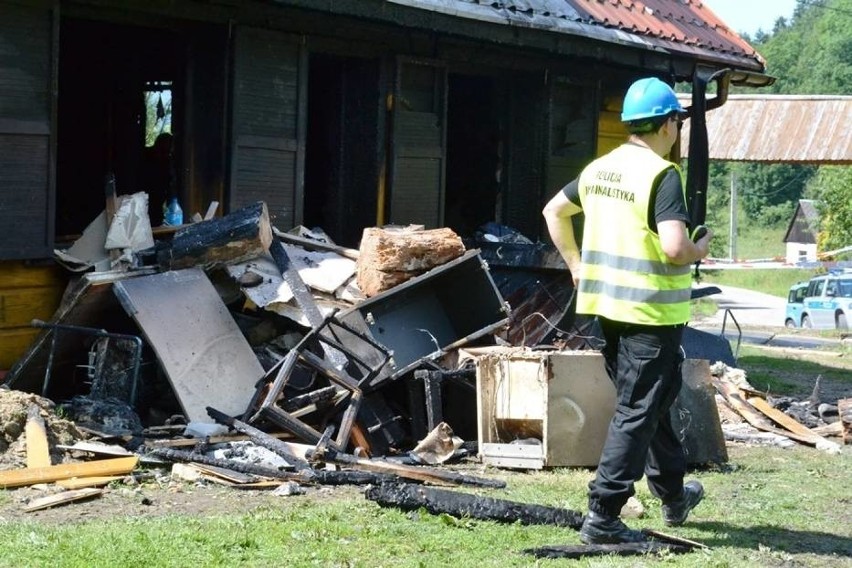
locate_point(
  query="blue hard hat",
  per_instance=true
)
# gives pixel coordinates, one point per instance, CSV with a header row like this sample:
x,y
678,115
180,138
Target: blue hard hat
x,y
647,98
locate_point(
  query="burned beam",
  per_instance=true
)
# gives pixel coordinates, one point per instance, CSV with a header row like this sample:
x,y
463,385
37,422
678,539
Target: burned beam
x,y
318,397
590,550
463,505
242,235
259,437
303,476
418,473
181,456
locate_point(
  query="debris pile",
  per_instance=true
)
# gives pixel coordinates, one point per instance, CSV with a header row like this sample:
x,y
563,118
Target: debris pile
x,y
239,354
751,416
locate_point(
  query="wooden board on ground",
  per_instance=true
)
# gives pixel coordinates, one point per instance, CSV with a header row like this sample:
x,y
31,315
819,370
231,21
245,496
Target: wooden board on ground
x,y
38,451
81,482
52,473
61,498
804,433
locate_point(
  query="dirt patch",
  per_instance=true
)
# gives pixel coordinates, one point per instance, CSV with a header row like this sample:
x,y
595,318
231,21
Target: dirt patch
x,y
14,407
158,497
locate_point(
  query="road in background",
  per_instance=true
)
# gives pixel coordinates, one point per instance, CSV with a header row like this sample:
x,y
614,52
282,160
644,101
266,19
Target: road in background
x,y
748,307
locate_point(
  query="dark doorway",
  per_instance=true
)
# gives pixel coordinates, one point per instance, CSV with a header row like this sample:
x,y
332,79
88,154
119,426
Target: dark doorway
x,y
474,153
121,88
105,72
342,156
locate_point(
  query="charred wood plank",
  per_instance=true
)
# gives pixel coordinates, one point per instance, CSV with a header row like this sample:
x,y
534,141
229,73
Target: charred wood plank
x,y
242,235
590,550
302,476
803,432
180,456
304,299
311,244
735,399
419,473
463,505
351,477
259,437
317,397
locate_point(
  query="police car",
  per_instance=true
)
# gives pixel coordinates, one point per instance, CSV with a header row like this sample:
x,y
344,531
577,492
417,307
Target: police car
x,y
824,302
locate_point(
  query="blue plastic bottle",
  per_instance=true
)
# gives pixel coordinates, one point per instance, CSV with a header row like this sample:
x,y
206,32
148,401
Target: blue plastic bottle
x,y
174,214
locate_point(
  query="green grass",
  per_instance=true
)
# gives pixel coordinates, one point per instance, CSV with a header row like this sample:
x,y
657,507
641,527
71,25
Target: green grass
x,y
774,281
757,242
793,372
767,507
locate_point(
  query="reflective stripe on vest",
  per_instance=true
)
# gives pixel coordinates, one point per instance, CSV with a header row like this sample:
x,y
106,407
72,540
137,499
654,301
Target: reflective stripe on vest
x,y
627,279
634,264
628,294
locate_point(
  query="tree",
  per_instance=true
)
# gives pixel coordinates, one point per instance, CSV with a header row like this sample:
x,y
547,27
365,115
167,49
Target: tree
x,y
809,54
158,115
832,187
768,192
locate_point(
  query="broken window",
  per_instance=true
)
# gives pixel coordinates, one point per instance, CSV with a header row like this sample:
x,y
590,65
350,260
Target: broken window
x,y
158,110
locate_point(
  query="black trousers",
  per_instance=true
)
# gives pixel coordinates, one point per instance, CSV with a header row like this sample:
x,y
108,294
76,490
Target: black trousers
x,y
644,362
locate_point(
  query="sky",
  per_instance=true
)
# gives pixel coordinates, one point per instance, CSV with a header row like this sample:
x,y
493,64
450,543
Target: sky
x,y
750,15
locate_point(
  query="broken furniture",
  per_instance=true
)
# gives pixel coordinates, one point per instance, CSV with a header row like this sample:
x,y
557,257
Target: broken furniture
x,y
534,280
542,408
329,336
429,395
552,408
135,355
200,348
449,306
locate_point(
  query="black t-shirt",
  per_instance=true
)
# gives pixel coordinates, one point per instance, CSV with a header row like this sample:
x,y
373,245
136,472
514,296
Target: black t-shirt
x,y
666,195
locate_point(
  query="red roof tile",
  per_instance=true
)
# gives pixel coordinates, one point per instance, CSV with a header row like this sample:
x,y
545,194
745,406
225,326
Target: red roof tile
x,y
687,22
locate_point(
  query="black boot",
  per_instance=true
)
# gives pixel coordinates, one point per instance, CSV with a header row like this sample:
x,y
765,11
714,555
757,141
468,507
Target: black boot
x,y
676,511
603,529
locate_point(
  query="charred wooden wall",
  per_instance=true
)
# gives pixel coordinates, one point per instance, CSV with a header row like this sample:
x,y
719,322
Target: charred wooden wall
x,y
27,108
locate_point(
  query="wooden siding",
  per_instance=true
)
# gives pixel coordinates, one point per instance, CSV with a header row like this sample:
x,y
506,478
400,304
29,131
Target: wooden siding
x,y
26,292
572,130
526,156
419,144
268,153
611,131
26,108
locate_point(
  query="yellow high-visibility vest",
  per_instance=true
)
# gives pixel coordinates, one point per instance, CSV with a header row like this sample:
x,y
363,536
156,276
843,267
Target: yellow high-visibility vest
x,y
625,274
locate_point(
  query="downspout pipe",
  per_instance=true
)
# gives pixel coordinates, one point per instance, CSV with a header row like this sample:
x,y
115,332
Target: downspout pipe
x,y
699,149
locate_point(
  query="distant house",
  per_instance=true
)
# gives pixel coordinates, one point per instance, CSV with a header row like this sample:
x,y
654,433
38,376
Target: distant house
x,y
801,236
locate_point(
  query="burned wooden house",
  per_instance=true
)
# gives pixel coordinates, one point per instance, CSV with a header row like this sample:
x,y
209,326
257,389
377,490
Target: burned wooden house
x,y
342,114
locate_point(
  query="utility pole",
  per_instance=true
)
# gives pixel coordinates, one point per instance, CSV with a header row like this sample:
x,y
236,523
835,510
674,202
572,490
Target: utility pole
x,y
732,237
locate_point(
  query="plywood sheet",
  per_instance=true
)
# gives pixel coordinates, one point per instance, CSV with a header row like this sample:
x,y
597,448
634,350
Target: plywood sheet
x,y
207,359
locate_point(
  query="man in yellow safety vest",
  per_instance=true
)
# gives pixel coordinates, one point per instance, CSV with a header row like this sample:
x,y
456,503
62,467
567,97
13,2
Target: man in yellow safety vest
x,y
633,274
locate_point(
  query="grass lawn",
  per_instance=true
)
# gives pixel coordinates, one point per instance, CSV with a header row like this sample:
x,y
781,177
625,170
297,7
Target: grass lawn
x,y
774,281
766,507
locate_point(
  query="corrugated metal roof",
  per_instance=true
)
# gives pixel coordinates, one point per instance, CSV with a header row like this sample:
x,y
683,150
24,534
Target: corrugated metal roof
x,y
780,128
680,26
